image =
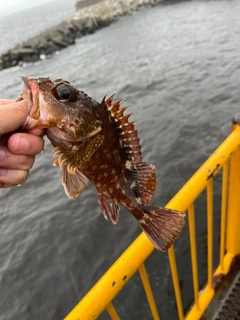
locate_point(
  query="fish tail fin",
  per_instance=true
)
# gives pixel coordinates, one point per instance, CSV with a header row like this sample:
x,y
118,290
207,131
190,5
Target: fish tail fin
x,y
162,226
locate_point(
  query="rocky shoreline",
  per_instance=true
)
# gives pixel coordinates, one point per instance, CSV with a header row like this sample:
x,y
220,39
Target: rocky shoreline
x,y
87,20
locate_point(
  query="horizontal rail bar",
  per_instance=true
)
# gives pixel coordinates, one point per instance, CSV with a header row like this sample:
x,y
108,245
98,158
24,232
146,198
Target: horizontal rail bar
x,y
195,185
104,291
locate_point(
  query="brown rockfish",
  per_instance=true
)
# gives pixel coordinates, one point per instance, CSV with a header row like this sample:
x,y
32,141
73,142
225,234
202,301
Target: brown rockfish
x,y
95,141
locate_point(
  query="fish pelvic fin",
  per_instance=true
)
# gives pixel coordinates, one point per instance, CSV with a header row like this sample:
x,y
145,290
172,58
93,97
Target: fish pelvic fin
x,y
162,226
110,207
74,184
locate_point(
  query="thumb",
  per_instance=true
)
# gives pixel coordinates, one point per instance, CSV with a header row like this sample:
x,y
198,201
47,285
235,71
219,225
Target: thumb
x,y
12,116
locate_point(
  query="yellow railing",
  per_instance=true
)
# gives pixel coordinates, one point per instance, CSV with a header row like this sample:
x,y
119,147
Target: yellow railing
x,y
225,158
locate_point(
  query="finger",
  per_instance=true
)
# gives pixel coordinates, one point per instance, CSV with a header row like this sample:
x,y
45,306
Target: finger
x,y
6,101
12,116
8,185
15,177
15,161
37,132
25,143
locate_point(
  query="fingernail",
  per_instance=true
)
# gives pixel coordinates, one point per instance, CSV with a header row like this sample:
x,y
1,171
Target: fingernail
x,y
21,144
2,154
3,172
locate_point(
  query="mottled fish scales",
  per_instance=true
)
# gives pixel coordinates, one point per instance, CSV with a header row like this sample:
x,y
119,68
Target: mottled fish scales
x,y
97,142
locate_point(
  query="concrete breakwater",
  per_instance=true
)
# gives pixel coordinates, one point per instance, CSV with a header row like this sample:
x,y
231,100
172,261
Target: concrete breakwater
x,y
85,21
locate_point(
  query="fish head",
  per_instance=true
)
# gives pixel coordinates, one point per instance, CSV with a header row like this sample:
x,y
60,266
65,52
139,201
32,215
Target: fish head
x,y
58,106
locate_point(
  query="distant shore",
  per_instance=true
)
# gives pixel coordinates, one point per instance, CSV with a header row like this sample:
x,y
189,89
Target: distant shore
x,y
85,3
91,15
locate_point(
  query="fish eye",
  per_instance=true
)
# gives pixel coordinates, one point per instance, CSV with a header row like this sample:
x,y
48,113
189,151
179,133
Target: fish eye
x,y
64,92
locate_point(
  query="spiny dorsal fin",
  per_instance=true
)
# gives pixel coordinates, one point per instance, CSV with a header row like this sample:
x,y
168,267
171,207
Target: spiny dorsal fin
x,y
144,175
108,102
127,133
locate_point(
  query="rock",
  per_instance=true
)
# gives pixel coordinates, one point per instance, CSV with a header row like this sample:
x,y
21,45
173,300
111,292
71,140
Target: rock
x,y
87,20
81,4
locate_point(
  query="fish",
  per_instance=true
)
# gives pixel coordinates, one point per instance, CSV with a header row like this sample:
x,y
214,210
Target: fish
x,y
96,142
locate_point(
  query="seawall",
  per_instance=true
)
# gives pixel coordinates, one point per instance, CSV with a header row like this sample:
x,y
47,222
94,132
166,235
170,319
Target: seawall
x,y
86,20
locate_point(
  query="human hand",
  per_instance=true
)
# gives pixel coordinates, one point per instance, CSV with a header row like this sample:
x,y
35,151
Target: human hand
x,y
17,150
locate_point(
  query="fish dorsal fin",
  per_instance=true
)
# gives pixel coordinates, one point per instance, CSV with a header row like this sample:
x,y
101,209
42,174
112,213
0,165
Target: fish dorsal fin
x,y
143,175
128,136
73,184
110,207
145,178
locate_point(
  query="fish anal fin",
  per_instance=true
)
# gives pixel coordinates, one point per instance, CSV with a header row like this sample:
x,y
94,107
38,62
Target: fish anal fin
x,y
74,184
162,226
110,207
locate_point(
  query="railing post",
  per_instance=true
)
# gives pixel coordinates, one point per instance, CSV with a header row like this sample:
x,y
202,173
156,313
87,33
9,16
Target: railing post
x,y
233,214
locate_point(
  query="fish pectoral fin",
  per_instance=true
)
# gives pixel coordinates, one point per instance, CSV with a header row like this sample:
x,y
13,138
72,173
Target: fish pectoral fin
x,y
75,157
74,184
89,147
110,207
145,177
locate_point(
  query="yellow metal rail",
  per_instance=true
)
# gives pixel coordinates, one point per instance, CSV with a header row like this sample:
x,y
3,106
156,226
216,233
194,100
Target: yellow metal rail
x,y
100,297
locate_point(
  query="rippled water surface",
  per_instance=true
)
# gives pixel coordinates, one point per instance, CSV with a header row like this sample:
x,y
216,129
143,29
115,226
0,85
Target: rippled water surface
x,y
25,23
178,64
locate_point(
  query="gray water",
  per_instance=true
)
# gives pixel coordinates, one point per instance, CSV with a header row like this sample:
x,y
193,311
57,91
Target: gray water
x,y
26,23
178,64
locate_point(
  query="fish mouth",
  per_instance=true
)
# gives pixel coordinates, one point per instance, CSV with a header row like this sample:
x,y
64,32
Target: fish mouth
x,y
37,118
31,84
29,91
25,81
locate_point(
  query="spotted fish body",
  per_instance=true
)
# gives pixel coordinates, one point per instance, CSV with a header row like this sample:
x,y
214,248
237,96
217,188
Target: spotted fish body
x,y
96,142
